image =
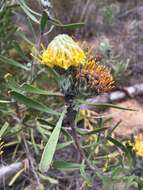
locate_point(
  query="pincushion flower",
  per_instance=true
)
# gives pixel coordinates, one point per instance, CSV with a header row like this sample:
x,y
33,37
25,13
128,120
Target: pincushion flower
x,y
138,145
62,52
96,77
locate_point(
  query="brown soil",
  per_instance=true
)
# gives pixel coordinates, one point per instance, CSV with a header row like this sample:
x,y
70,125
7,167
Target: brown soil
x,y
132,121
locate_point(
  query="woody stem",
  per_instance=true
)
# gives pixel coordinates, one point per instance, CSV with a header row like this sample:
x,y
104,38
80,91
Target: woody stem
x,y
71,115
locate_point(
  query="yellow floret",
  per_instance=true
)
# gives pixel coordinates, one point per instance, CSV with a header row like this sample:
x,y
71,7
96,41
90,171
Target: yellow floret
x,y
138,145
62,52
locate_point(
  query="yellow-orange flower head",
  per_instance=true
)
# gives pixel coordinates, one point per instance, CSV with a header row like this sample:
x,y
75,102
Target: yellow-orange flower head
x,y
96,77
138,145
62,52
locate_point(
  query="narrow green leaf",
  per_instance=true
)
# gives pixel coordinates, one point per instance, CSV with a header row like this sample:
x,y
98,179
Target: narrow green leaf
x,y
31,29
22,35
66,166
121,146
49,179
97,130
30,10
19,51
5,102
67,26
43,21
12,62
55,21
11,83
45,122
63,145
73,25
33,142
43,133
103,105
130,182
118,144
32,103
50,147
3,129
27,11
56,75
34,90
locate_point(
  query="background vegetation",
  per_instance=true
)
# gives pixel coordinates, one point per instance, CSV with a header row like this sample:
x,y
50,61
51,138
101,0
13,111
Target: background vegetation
x,y
31,102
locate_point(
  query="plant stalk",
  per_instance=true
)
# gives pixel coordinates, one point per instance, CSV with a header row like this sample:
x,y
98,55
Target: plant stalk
x,y
71,115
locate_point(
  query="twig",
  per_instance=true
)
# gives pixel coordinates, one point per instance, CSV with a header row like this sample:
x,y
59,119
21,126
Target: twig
x,y
71,114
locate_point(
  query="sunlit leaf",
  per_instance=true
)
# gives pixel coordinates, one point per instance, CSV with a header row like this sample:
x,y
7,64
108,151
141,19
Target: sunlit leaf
x,y
50,147
5,102
32,103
